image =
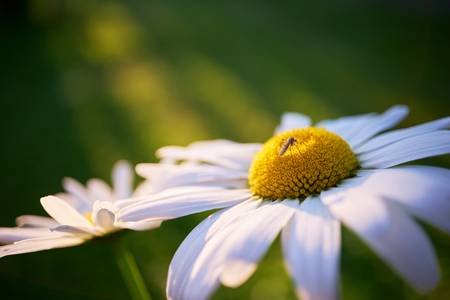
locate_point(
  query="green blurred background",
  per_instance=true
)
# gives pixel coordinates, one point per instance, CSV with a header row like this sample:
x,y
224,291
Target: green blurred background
x,y
85,83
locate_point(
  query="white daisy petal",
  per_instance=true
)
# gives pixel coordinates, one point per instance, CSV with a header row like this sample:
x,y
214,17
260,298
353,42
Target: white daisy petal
x,y
219,152
409,149
400,134
311,245
357,129
122,179
139,226
251,243
392,234
98,190
103,215
182,262
78,193
145,188
63,213
384,121
82,232
191,174
73,201
11,235
152,171
230,256
292,120
35,221
346,126
366,212
39,244
181,201
423,190
105,219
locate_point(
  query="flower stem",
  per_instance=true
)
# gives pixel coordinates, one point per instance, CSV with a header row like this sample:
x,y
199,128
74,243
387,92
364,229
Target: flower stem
x,y
130,273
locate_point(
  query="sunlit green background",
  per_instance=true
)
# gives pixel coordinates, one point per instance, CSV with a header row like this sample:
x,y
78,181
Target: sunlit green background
x,y
85,83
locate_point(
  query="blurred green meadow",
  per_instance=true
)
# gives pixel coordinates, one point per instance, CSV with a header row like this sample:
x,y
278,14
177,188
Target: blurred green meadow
x,y
85,83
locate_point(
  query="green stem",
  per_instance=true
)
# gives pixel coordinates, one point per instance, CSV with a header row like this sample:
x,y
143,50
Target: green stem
x,y
130,273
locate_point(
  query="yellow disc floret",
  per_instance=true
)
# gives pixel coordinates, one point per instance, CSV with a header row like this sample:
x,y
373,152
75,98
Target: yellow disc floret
x,y
301,162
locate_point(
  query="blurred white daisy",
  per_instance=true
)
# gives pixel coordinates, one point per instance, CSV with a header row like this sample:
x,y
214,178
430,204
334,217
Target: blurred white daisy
x,y
304,181
80,214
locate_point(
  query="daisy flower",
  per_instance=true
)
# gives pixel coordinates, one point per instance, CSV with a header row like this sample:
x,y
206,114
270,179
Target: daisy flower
x,y
305,182
76,216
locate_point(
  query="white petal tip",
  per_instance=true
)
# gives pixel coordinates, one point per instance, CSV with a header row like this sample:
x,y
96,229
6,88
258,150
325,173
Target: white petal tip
x,y
400,108
425,286
44,200
122,164
140,168
237,272
68,181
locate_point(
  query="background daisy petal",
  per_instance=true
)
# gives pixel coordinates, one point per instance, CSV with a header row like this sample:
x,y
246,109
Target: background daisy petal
x,y
35,221
122,179
139,226
99,190
12,235
103,215
78,194
39,244
63,213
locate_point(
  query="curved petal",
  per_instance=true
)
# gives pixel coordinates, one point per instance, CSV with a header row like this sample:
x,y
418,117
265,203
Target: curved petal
x,y
145,188
422,190
292,120
39,244
122,179
103,215
63,213
393,136
78,193
182,262
12,235
347,126
35,221
231,254
181,201
139,226
392,234
98,190
386,120
81,232
311,246
163,176
358,129
217,152
409,149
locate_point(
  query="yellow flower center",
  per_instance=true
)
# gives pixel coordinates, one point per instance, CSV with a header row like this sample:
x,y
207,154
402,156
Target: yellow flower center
x,y
301,162
88,216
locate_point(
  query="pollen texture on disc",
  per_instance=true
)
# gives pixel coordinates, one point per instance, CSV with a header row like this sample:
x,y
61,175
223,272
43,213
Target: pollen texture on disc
x,y
299,163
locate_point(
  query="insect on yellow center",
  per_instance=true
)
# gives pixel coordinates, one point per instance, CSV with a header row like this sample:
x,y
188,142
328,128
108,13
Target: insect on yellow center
x,y
299,163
